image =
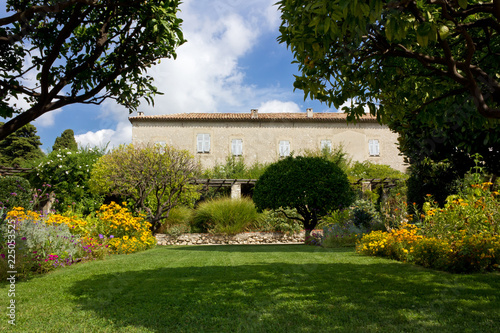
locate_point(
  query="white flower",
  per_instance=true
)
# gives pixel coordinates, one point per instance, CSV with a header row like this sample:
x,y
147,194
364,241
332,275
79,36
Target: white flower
x,y
66,171
68,153
58,155
60,166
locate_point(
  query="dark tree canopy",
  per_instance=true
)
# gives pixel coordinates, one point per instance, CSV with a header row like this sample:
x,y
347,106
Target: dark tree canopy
x,y
65,141
20,147
312,185
396,57
81,51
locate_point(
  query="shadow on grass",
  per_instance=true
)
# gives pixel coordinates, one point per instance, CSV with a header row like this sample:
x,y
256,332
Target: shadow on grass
x,y
344,297
274,248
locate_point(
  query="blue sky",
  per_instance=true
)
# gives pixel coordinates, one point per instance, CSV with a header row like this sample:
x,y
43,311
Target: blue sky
x,y
230,63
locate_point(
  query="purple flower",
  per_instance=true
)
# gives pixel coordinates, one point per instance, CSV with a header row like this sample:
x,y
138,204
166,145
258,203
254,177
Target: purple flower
x,y
24,238
101,236
111,236
2,255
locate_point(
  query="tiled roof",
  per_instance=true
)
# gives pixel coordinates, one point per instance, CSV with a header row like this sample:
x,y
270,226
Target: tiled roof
x,y
302,116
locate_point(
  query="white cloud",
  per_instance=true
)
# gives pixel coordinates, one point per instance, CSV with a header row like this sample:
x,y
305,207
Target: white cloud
x,y
352,102
275,106
206,76
112,116
47,119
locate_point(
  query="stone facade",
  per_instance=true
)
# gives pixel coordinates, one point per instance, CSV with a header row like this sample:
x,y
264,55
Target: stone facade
x,y
263,137
243,238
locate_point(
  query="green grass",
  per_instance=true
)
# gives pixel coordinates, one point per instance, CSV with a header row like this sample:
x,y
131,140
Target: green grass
x,y
260,288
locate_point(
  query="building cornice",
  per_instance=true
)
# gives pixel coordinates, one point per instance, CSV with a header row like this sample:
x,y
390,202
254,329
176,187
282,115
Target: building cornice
x,y
247,117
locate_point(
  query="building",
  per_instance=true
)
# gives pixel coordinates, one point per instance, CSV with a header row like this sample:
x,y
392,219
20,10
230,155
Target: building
x,y
266,137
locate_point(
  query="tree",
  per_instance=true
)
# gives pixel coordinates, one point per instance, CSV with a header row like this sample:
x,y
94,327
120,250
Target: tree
x,y
395,57
155,177
311,185
451,133
81,51
20,147
65,141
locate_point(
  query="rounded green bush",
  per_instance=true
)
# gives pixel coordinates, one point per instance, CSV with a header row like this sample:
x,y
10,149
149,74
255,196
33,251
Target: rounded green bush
x,y
15,191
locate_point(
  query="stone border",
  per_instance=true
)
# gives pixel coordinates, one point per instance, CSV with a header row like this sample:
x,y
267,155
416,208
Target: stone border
x,y
242,238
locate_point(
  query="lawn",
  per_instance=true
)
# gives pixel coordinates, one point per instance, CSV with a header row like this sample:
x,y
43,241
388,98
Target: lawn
x,y
259,288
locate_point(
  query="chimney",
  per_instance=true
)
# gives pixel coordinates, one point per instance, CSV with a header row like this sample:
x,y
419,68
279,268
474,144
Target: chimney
x,y
140,113
309,113
254,113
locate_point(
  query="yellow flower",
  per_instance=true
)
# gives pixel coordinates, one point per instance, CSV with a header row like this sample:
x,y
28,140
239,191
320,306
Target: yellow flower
x,y
125,237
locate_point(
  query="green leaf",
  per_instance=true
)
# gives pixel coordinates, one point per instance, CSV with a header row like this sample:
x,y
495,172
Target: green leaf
x,y
462,4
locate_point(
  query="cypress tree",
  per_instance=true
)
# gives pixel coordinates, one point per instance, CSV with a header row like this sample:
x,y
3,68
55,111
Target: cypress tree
x,y
20,147
66,140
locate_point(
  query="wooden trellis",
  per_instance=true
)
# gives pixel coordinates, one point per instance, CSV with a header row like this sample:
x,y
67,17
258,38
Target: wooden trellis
x,y
235,184
11,171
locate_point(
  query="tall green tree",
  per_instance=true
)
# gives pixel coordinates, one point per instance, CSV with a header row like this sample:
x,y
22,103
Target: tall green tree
x,y
395,56
313,186
81,51
20,147
65,141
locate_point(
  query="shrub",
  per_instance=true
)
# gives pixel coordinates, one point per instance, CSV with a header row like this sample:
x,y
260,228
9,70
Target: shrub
x,y
282,220
40,247
371,170
14,192
68,171
341,234
427,177
394,209
155,178
226,215
179,221
463,254
364,215
474,210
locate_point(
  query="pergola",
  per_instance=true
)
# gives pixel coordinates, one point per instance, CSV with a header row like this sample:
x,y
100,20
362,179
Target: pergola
x,y
235,184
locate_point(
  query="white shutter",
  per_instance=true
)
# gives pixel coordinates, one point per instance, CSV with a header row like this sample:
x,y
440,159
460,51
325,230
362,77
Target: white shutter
x,y
373,147
326,144
199,143
237,147
203,143
206,143
284,148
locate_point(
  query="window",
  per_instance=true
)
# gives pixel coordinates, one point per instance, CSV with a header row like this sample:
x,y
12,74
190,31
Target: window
x,y
284,148
326,144
237,147
162,145
373,148
203,143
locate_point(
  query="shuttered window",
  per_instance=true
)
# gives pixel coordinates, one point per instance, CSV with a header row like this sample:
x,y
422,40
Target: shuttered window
x,y
203,143
237,147
326,145
284,148
373,147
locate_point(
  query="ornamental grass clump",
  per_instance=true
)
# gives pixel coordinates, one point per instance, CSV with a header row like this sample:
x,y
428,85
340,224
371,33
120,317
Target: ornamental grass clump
x,y
229,216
